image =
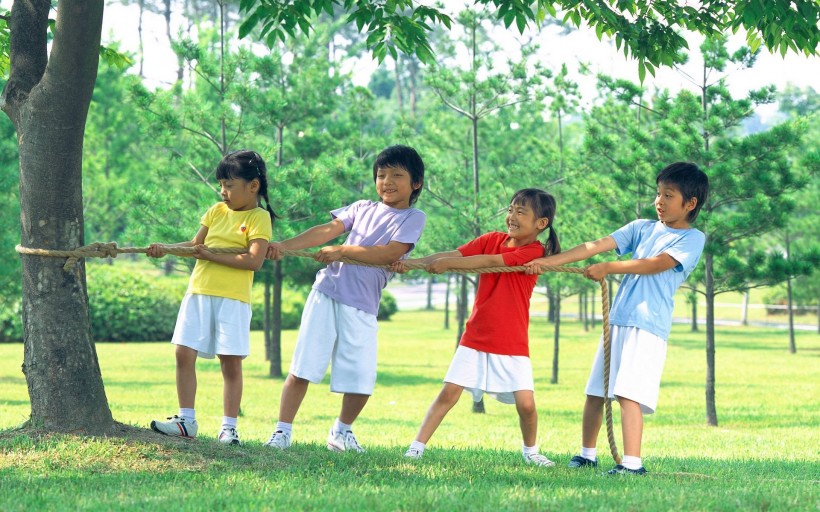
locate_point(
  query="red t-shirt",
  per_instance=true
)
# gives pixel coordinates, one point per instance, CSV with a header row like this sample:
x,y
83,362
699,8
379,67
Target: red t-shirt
x,y
500,320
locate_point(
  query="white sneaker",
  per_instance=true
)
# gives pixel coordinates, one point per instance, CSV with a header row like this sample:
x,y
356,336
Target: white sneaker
x,y
343,441
538,460
279,440
176,427
413,453
229,436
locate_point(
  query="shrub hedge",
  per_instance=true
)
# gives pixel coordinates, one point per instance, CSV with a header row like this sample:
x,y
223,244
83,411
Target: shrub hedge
x,y
129,305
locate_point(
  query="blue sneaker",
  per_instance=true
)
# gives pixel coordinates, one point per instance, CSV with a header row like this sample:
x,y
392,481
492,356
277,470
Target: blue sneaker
x,y
582,462
620,470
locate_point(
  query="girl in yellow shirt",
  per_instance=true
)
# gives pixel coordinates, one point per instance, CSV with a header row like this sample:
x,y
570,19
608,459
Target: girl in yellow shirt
x,y
215,315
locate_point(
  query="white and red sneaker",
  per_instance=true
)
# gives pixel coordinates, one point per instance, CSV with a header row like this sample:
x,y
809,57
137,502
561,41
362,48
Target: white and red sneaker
x,y
176,427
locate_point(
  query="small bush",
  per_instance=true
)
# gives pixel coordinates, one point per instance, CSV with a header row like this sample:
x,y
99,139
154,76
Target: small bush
x,y
387,306
125,305
293,302
11,323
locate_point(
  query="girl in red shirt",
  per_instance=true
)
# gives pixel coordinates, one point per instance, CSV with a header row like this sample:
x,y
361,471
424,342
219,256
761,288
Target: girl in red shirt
x,y
493,355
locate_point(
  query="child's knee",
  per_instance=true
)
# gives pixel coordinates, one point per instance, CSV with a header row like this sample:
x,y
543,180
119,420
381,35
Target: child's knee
x,y
525,403
185,356
450,393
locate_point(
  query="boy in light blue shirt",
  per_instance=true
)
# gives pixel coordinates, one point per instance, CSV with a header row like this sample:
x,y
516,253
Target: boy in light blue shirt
x,y
664,253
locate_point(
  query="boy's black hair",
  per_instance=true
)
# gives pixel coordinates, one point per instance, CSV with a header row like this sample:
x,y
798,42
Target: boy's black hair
x,y
247,165
690,180
406,158
544,205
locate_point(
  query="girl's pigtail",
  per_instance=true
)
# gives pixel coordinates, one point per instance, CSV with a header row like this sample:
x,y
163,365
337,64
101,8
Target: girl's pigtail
x,y
553,246
264,193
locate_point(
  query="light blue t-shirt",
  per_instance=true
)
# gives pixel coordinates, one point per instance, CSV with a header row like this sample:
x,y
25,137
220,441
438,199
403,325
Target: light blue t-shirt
x,y
646,301
369,223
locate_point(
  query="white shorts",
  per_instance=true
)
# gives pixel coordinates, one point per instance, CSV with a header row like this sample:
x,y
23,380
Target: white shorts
x,y
346,336
636,365
495,374
213,326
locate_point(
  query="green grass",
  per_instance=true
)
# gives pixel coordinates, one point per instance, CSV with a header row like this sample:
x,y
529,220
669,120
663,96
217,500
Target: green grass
x,y
763,456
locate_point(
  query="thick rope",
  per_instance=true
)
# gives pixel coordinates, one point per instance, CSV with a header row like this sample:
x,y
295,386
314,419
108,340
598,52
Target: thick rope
x,y
110,250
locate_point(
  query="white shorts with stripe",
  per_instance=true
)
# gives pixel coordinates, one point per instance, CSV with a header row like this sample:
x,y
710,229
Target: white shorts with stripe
x,y
342,336
213,326
499,376
636,365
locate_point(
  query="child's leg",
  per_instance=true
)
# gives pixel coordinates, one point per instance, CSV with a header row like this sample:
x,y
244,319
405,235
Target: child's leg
x,y
527,416
446,399
293,392
352,405
232,384
186,376
631,426
593,416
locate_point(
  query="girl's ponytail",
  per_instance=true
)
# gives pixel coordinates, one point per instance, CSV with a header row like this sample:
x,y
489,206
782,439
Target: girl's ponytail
x,y
553,246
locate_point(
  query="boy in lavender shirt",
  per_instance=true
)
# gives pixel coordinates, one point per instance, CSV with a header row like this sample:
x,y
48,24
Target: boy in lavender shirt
x,y
339,318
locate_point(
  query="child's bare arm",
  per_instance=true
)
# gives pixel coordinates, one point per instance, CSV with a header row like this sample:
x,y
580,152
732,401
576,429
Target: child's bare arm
x,y
465,263
577,253
400,266
373,254
652,265
159,250
317,235
251,260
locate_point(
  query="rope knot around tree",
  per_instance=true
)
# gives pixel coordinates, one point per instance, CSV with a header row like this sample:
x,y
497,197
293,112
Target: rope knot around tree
x,y
110,250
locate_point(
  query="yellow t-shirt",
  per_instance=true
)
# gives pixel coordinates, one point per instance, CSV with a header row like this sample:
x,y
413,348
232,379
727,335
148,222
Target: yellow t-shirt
x,y
228,228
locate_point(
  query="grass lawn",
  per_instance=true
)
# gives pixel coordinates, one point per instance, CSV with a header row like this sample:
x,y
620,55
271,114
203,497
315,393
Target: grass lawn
x,y
763,456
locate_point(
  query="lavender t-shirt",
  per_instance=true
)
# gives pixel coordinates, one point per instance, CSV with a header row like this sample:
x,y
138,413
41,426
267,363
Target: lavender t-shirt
x,y
369,224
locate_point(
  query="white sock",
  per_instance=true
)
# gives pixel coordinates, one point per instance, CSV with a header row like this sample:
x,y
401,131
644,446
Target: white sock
x,y
589,453
285,428
418,446
529,450
187,414
338,426
630,462
228,422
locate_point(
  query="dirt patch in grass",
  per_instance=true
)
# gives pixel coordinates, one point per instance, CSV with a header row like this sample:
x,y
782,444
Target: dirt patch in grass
x,y
120,431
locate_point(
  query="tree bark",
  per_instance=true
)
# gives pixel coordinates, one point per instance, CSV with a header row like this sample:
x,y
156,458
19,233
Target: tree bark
x,y
447,302
267,312
556,336
276,332
792,344
47,99
711,411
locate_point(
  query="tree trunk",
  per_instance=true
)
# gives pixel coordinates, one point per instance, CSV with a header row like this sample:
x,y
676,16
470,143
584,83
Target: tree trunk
x,y
461,307
268,313
550,304
447,303
792,345
592,308
276,333
47,100
556,332
429,306
711,411
693,301
744,311
140,48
